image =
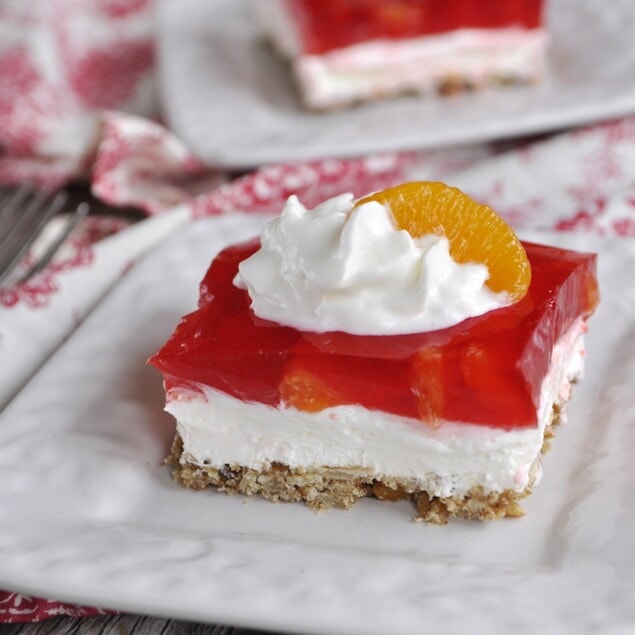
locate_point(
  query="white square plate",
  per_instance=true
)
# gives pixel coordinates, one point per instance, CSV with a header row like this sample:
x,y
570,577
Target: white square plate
x,y
227,95
89,514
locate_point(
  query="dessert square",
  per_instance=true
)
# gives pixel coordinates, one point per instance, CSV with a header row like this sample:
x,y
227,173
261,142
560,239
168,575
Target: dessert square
x,y
454,417
347,51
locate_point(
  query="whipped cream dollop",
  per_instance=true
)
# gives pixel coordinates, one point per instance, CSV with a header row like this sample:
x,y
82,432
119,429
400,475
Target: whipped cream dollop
x,y
344,268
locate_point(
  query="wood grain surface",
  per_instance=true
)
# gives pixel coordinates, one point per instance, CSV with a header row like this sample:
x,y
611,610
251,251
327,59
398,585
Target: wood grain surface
x,y
120,625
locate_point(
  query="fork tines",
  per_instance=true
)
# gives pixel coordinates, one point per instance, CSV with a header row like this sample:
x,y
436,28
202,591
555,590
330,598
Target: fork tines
x,y
24,213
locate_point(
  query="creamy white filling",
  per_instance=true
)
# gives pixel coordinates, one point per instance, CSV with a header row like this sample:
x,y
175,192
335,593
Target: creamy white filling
x,y
344,268
379,68
449,460
385,67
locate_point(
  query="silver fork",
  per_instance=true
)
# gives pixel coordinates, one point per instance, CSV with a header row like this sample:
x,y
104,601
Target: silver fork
x,y
24,213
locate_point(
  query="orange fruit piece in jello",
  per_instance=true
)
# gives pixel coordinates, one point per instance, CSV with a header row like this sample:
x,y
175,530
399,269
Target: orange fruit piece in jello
x,y
426,382
476,233
306,391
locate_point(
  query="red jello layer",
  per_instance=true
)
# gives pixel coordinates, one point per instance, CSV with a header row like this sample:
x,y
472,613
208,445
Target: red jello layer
x,y
486,370
325,25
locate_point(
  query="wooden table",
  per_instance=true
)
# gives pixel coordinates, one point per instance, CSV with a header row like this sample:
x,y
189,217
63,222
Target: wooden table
x,y
120,625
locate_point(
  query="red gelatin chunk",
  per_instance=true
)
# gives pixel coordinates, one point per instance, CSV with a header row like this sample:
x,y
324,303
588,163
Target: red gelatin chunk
x,y
486,370
325,25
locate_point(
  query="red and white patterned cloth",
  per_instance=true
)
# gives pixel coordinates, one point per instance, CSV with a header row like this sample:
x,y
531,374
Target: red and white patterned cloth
x,y
68,68
61,63
16,607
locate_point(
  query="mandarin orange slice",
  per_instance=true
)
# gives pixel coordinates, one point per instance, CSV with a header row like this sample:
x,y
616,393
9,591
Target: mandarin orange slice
x,y
304,390
476,233
426,383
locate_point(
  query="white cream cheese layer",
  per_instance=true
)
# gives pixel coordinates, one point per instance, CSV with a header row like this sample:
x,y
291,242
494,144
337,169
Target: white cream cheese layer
x,y
385,67
449,460
344,268
376,69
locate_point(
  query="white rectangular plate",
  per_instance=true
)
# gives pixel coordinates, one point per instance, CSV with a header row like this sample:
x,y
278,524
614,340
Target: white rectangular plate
x,y
230,98
89,514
